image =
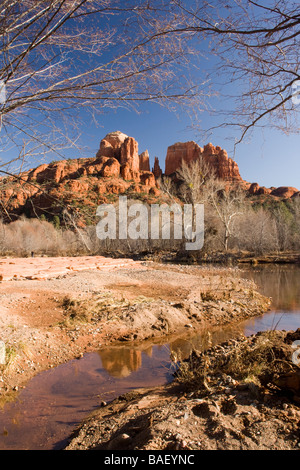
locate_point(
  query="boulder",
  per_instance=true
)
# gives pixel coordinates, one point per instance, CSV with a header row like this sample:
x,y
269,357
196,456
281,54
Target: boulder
x,y
284,191
254,188
263,190
111,168
147,178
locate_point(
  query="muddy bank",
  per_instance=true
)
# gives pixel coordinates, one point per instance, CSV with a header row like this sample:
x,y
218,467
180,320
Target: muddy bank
x,y
224,258
241,395
277,258
57,314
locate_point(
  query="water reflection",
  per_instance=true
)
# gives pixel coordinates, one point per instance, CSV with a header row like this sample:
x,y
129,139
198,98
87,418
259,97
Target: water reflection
x,y
55,401
273,321
120,363
281,282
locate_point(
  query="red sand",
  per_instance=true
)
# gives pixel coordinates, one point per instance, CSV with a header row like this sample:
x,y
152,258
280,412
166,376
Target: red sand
x,y
44,267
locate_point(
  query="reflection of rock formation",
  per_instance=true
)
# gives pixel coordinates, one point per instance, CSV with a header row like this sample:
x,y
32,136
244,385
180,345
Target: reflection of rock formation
x,y
149,351
120,362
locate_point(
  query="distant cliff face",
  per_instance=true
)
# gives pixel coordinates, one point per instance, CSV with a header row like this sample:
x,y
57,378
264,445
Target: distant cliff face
x,y
81,184
124,150
118,168
224,167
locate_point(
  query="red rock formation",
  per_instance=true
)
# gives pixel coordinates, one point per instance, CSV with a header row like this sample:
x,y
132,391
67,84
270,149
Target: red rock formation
x,y
225,167
117,169
130,155
130,162
124,149
284,191
111,167
144,161
110,146
127,173
156,170
187,151
263,190
253,189
257,190
147,178
84,182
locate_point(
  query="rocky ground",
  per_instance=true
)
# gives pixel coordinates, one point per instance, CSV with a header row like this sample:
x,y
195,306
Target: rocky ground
x,y
242,395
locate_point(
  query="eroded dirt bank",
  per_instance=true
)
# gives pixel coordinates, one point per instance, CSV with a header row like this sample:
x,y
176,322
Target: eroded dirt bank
x,y
242,395
55,309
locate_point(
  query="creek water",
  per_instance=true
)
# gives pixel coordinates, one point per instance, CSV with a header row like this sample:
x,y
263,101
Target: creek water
x,y
55,401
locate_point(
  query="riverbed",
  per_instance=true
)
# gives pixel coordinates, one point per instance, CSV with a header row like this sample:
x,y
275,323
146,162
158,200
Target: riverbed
x,y
55,401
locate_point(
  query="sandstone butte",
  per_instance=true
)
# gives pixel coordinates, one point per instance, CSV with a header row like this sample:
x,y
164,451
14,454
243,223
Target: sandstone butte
x,y
118,168
225,168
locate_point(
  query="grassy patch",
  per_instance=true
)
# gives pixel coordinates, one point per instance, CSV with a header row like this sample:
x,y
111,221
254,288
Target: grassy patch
x,y
103,307
12,352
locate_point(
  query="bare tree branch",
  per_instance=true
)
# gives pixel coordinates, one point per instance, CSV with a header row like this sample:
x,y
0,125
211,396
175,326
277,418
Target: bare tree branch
x,y
59,55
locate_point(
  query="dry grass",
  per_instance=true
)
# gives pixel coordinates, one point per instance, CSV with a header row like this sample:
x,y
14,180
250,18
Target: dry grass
x,y
256,360
98,307
249,362
93,309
